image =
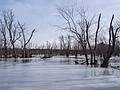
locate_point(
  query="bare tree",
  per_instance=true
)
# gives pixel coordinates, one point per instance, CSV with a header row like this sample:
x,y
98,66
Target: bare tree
x,y
12,27
92,50
48,48
76,26
80,25
4,37
1,44
65,44
96,39
25,40
113,34
62,44
68,45
76,48
87,24
54,46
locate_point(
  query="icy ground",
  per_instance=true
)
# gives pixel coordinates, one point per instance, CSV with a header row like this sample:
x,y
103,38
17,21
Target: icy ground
x,y
56,74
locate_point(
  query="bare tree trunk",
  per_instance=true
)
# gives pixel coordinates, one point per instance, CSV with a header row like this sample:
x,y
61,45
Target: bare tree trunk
x,y
14,51
24,55
111,46
5,50
86,57
96,37
87,39
86,54
24,39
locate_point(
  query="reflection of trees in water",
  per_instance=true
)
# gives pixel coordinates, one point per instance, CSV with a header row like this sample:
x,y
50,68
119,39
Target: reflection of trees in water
x,y
106,72
65,61
86,74
90,72
23,60
93,72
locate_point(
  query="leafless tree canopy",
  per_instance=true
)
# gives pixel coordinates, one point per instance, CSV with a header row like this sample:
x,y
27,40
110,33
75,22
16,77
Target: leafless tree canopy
x,y
80,25
12,32
25,40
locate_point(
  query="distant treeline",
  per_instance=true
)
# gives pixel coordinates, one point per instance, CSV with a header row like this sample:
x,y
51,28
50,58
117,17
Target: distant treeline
x,y
101,49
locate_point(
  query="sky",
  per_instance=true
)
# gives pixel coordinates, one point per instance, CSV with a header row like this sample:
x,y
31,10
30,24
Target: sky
x,y
43,16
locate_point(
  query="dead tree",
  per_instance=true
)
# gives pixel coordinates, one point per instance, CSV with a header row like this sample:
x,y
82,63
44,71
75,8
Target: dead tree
x,y
76,48
54,48
65,44
88,42
79,24
86,25
96,39
62,44
25,40
1,47
48,49
4,37
1,44
12,28
113,32
68,45
76,26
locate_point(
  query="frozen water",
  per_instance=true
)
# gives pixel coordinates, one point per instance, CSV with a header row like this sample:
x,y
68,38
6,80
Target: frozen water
x,y
56,74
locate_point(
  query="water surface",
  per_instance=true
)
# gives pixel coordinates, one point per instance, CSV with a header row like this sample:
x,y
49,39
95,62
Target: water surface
x,y
56,74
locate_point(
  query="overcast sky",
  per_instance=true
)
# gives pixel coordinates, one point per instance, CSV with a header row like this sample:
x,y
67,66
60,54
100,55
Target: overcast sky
x,y
42,14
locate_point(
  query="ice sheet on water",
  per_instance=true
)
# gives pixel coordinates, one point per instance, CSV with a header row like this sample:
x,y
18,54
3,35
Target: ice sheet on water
x,y
50,74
